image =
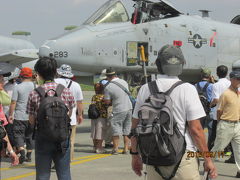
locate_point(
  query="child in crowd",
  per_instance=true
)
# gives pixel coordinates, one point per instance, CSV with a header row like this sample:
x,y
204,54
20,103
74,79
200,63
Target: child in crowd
x,y
97,125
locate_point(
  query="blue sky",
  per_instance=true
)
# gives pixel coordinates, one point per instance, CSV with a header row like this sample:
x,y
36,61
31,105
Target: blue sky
x,y
47,18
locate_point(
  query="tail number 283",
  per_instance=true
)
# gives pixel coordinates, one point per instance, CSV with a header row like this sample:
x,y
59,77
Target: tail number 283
x,y
60,54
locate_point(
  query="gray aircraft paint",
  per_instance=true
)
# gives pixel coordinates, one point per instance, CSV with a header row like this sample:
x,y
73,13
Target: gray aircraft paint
x,y
93,47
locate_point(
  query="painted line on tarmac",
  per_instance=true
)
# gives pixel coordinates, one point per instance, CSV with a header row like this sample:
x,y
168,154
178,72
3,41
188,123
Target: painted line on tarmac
x,y
21,176
86,103
90,158
31,165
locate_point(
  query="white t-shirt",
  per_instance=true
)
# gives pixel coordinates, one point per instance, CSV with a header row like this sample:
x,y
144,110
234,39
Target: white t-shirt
x,y
120,99
186,103
218,88
77,94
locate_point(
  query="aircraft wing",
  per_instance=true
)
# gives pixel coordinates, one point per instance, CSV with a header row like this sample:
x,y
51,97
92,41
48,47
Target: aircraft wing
x,y
19,56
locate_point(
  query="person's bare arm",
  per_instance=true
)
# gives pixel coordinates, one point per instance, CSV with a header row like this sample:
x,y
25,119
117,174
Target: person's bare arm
x,y
137,164
31,119
198,136
214,102
11,111
80,112
219,114
13,155
70,113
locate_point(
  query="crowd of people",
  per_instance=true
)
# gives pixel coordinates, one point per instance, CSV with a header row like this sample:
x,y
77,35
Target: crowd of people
x,y
20,103
117,116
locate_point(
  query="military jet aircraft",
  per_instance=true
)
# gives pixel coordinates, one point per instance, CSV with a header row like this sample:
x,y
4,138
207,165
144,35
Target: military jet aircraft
x,y
16,51
113,35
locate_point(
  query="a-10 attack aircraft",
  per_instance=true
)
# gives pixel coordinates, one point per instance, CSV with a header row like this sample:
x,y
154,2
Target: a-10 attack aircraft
x,y
16,51
111,37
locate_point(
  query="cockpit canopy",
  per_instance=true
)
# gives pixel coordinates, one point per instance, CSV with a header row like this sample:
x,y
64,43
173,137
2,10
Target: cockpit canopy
x,y
111,12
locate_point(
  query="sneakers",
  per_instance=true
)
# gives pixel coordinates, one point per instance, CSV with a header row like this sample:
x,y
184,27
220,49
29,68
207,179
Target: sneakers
x,y
28,157
108,146
101,151
114,152
125,152
238,175
227,153
21,159
230,160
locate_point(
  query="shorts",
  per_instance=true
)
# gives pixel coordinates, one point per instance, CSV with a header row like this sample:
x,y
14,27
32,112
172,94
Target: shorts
x,y
22,133
121,123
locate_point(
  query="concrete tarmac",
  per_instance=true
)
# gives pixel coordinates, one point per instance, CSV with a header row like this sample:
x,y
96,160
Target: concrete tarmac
x,y
90,166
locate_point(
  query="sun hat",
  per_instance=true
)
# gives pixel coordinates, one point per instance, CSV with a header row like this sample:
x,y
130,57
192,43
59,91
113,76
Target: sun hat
x,y
103,74
65,71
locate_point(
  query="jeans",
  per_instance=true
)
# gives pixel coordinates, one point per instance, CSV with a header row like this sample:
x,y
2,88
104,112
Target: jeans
x,y
213,135
45,153
207,121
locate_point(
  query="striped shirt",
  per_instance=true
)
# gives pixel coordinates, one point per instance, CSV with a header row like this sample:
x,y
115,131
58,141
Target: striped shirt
x,y
34,98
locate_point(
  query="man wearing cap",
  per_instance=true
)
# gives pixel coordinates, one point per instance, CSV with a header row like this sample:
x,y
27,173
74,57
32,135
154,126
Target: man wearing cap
x,y
204,88
122,109
65,73
22,130
228,116
187,108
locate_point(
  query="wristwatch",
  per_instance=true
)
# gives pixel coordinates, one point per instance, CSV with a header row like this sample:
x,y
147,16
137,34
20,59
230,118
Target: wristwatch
x,y
133,153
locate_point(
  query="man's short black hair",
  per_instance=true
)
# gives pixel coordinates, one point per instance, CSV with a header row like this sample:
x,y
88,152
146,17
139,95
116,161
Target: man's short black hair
x,y
222,71
46,67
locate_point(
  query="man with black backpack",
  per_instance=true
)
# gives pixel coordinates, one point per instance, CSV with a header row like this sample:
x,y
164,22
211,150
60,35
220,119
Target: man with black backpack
x,y
204,89
166,126
49,108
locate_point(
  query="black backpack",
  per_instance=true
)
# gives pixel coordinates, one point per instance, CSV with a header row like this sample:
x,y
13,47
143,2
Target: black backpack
x,y
53,122
93,112
159,140
202,92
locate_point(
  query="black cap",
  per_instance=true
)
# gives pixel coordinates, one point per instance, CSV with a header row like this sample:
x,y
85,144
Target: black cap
x,y
110,72
6,69
171,59
235,74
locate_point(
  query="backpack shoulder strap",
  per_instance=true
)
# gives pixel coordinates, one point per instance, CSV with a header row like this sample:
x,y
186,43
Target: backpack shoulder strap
x,y
122,87
59,90
40,91
168,92
69,85
205,87
153,87
199,89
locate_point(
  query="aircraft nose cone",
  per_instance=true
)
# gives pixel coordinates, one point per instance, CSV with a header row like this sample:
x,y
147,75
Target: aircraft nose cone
x,y
46,50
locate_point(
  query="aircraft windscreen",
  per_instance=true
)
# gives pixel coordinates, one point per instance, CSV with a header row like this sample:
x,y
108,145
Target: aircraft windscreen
x,y
109,13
